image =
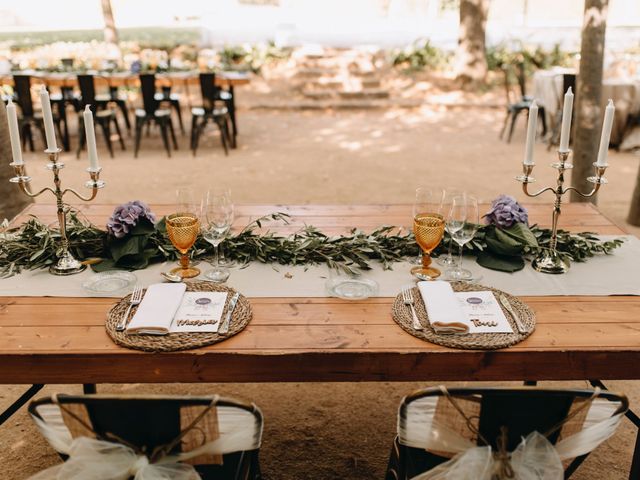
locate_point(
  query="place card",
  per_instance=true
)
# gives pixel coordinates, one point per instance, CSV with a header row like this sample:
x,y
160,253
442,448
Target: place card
x,y
199,312
483,313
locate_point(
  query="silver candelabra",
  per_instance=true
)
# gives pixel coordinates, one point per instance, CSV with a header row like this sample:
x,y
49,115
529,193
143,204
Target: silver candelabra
x,y
66,264
549,261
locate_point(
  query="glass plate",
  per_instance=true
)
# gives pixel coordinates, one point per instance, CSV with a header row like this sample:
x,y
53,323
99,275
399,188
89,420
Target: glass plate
x,y
114,281
351,288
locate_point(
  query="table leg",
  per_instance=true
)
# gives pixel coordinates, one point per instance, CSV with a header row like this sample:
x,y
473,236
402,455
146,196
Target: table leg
x,y
232,114
89,388
24,398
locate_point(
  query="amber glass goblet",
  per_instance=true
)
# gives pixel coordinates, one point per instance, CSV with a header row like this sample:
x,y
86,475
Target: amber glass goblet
x,y
428,229
183,229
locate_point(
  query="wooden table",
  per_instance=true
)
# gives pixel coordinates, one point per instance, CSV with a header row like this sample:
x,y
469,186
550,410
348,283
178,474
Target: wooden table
x,y
63,340
128,79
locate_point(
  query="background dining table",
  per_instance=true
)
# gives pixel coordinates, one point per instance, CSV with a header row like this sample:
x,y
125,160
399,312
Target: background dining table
x,y
625,93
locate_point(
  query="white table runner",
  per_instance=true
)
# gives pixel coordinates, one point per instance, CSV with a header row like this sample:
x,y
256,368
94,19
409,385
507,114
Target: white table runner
x,y
616,274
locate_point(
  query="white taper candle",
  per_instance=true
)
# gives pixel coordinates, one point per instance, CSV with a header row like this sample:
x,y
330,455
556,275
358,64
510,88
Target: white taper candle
x,y
531,133
14,133
47,117
567,111
606,134
90,134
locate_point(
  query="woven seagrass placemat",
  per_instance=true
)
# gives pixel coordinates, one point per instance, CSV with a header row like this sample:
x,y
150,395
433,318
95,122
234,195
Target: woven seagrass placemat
x,y
471,341
180,341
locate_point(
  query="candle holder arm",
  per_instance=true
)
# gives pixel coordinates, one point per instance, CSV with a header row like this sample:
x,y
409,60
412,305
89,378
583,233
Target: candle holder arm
x,y
27,191
584,195
525,189
94,192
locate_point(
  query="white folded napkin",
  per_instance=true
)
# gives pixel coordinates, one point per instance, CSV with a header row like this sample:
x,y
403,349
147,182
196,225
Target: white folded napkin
x,y
443,308
158,307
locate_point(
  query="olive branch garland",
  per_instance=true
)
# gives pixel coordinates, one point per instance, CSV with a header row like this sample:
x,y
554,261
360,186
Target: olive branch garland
x,y
34,245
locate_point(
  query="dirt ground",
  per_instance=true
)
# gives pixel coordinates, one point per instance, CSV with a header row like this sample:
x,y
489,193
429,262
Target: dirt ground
x,y
328,431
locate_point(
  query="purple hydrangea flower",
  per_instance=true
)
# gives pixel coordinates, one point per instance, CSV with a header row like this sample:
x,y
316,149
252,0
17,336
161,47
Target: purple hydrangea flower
x,y
505,211
126,216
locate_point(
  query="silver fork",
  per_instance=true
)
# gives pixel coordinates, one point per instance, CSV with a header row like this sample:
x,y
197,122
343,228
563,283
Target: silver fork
x,y
407,297
136,298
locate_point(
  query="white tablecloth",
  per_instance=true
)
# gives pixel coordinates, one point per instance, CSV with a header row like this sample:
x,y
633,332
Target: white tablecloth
x,y
625,93
616,274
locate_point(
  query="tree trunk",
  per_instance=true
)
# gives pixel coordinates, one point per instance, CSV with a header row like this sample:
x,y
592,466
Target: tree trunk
x,y
12,200
588,111
634,211
110,32
471,60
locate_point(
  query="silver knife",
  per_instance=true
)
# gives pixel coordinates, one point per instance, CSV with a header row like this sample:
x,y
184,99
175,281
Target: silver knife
x,y
224,326
505,303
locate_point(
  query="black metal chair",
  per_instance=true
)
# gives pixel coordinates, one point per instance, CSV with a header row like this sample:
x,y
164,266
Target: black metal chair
x,y
515,104
102,115
31,119
173,99
152,113
214,109
157,426
568,80
493,415
103,100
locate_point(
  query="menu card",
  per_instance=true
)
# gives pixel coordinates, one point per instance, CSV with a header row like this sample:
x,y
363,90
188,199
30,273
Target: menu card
x,y
483,313
168,308
199,312
480,311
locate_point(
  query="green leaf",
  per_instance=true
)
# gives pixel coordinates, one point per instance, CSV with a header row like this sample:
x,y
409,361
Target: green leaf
x,y
496,246
144,227
127,246
521,233
502,263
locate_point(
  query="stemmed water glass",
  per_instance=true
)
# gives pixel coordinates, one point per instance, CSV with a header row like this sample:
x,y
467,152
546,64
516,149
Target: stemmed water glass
x,y
217,218
449,195
428,228
183,228
464,215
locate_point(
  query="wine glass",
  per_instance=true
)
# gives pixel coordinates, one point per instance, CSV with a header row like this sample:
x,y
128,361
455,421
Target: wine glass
x,y
428,228
464,214
449,195
183,229
217,218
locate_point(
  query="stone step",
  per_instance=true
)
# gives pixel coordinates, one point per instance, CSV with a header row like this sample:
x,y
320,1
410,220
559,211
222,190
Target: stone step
x,y
314,72
318,94
364,94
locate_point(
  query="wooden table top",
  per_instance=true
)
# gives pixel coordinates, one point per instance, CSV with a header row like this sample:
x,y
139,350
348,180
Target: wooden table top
x,y
63,340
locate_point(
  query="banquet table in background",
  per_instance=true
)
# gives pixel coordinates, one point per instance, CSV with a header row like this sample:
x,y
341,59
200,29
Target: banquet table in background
x,y
63,339
625,93
187,79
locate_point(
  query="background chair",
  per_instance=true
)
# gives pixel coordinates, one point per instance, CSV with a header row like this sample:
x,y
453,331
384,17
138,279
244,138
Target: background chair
x,y
517,104
173,99
213,108
155,424
152,113
30,118
520,410
103,100
102,115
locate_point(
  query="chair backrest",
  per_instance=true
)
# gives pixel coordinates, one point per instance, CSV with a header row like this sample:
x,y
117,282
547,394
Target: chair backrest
x,y
510,71
148,87
519,411
22,87
208,89
88,91
149,423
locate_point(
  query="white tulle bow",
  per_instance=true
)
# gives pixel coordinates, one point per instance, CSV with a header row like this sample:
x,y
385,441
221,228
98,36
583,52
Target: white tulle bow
x,y
535,458
91,459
